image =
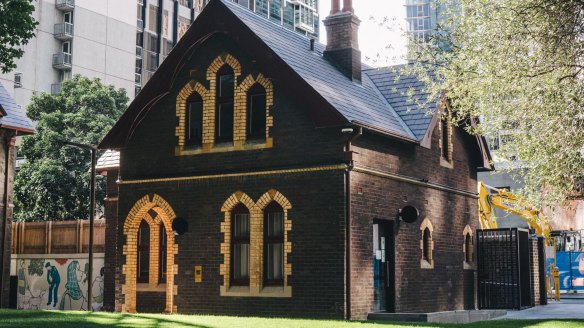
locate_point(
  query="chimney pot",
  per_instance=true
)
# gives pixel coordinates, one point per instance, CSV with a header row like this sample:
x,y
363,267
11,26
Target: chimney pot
x,y
335,6
348,6
311,44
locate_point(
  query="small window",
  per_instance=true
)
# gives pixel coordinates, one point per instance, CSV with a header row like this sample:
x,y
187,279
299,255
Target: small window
x,y
18,80
446,137
67,47
143,252
240,246
68,17
224,115
468,249
195,121
273,245
427,246
256,115
162,255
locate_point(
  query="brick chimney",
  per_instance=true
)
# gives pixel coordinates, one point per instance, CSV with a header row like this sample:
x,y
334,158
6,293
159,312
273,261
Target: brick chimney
x,y
342,29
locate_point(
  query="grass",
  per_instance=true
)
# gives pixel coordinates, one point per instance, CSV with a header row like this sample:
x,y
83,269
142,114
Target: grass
x,y
48,319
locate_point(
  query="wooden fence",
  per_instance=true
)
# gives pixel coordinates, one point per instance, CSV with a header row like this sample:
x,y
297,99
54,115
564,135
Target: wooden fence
x,y
57,237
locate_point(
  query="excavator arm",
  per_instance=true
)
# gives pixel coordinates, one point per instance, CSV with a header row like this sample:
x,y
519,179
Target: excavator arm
x,y
491,198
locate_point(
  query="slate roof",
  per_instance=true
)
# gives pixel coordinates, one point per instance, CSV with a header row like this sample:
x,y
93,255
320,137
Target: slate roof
x,y
15,118
406,95
358,103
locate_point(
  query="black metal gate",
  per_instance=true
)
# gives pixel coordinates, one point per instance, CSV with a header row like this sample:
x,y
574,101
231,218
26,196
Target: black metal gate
x,y
503,271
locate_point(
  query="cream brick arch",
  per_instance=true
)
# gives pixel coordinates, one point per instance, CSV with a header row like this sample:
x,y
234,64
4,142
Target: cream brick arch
x,y
468,231
233,200
221,60
240,109
256,243
181,110
142,210
275,196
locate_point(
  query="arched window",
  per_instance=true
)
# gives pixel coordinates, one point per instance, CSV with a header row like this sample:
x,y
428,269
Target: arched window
x,y
224,111
194,135
273,245
240,246
427,246
468,249
162,255
143,252
256,112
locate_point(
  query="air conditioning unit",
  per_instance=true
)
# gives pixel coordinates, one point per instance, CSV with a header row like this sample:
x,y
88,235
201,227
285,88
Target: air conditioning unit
x,y
18,80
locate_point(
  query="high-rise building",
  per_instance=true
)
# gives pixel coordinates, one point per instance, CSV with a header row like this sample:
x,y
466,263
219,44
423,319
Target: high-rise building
x,y
121,41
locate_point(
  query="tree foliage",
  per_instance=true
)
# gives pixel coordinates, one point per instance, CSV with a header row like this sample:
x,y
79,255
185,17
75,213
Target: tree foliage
x,y
517,65
16,28
53,184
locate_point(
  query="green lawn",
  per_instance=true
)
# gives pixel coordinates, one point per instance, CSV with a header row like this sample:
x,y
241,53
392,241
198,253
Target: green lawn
x,y
47,319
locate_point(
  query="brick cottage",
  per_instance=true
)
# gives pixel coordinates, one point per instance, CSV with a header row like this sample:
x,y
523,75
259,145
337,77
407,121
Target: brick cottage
x,y
289,162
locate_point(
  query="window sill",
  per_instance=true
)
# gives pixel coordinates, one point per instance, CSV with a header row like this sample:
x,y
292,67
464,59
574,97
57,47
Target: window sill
x,y
244,291
223,147
445,163
145,287
468,266
426,264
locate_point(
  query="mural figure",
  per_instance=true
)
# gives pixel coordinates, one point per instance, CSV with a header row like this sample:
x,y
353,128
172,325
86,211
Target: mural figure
x,y
72,289
54,279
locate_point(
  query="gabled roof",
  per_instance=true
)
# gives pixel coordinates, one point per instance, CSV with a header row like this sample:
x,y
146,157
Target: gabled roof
x,y
381,103
13,117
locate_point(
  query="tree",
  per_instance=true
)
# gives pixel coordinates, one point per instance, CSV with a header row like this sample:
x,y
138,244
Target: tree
x,y
16,28
53,184
519,65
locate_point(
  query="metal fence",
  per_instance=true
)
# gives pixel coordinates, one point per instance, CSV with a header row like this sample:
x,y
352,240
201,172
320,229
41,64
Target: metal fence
x,y
503,271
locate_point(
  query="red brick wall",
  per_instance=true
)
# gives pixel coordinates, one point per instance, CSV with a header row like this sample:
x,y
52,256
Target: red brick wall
x,y
417,290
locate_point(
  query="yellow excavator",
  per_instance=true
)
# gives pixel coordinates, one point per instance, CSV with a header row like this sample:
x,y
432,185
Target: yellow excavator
x,y
491,198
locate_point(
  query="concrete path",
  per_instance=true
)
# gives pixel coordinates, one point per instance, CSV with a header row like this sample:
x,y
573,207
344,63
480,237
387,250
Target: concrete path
x,y
567,308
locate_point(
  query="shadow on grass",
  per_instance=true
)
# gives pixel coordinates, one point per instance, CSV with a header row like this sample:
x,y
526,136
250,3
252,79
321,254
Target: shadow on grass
x,y
58,319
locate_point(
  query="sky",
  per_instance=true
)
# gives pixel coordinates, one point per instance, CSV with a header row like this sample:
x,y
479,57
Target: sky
x,y
381,43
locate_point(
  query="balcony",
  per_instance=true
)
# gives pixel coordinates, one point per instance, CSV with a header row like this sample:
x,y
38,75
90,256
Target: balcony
x,y
140,24
63,31
65,5
62,61
55,88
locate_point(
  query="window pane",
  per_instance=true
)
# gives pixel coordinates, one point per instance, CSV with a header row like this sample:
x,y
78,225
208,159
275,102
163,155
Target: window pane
x,y
275,261
195,121
143,263
275,224
257,115
241,262
241,225
225,121
226,85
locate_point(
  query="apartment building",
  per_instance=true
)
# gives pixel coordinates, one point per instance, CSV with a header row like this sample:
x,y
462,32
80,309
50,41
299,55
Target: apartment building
x,y
122,42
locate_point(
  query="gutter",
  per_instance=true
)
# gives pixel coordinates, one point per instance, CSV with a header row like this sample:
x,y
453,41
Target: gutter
x,y
386,133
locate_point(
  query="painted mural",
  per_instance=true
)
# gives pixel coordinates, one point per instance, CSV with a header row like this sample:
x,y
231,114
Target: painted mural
x,y
58,284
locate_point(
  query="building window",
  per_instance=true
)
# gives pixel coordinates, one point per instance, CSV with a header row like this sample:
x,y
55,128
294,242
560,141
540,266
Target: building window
x,y
426,250
426,245
468,248
446,140
143,252
273,245
162,258
240,246
194,135
256,116
224,113
468,255
153,18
